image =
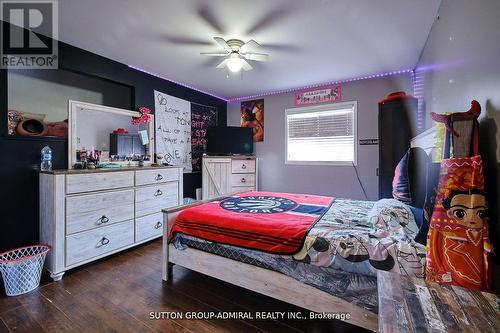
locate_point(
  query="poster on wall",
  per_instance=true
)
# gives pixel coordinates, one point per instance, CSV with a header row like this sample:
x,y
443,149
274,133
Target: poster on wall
x,y
252,115
202,117
328,94
173,130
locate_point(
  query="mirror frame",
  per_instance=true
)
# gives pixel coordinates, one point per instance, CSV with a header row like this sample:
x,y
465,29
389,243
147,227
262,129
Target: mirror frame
x,y
75,106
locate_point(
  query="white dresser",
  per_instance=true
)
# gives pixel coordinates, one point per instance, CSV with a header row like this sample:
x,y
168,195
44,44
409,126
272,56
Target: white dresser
x,y
89,214
228,174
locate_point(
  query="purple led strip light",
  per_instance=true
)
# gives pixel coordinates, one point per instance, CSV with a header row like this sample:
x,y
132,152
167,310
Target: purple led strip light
x,y
322,85
418,92
179,83
278,91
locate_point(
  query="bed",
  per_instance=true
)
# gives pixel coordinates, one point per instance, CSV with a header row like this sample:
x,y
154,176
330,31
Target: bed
x,y
366,236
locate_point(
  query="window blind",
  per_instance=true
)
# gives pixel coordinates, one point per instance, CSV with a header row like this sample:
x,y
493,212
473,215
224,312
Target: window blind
x,y
321,136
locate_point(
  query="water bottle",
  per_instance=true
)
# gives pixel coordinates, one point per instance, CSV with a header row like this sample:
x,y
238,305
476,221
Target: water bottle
x,y
46,164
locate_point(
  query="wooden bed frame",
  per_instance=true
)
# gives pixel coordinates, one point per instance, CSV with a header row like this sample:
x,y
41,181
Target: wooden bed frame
x,y
262,280
257,279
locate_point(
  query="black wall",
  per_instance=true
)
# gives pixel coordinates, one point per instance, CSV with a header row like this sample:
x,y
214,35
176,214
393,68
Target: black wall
x,y
20,157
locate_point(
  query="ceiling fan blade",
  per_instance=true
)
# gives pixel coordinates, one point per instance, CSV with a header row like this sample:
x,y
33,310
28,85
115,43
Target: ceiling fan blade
x,y
256,56
223,63
246,66
215,54
251,44
222,43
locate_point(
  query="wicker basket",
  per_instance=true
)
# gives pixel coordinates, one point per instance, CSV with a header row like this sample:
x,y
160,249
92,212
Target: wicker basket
x,y
21,268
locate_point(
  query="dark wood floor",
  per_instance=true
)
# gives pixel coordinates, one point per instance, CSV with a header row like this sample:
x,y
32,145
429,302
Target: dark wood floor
x,y
118,293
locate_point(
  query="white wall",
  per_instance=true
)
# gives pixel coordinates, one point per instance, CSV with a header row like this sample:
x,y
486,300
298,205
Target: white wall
x,y
461,62
338,181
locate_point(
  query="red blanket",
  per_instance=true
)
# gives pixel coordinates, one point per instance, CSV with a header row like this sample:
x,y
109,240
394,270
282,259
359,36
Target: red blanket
x,y
265,221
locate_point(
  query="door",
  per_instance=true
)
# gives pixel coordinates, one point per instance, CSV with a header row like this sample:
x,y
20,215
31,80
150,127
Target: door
x,y
216,177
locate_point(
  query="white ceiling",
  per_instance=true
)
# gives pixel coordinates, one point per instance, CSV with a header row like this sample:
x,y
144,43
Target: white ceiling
x,y
309,42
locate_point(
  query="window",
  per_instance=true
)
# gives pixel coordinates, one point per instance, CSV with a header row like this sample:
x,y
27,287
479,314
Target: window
x,y
323,134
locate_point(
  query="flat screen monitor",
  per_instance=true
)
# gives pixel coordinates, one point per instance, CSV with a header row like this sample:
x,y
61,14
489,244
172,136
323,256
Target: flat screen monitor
x,y
229,141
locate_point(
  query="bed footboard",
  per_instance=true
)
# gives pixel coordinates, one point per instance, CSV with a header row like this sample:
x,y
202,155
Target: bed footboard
x,y
257,279
169,216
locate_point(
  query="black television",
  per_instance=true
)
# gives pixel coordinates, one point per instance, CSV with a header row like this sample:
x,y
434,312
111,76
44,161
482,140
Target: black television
x,y
229,141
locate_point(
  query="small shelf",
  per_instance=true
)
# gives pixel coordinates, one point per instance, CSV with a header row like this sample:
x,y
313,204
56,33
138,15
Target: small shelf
x,y
34,138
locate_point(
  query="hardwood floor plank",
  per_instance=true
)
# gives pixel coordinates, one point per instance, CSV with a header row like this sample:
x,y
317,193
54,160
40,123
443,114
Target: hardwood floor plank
x,y
45,313
89,315
221,303
472,311
118,293
136,308
140,263
18,320
191,303
3,327
142,300
7,303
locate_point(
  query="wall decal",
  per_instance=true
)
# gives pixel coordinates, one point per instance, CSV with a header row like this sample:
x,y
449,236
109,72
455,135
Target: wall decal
x,y
328,94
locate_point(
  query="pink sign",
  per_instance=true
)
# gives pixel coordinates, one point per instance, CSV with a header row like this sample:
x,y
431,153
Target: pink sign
x,y
328,94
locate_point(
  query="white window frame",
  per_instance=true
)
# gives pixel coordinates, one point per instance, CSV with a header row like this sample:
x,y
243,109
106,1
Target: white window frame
x,y
324,107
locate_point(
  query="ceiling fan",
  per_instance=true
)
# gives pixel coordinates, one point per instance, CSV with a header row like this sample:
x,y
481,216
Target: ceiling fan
x,y
236,53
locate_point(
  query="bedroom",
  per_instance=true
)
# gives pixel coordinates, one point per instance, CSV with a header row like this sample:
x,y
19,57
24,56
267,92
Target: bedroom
x,y
125,86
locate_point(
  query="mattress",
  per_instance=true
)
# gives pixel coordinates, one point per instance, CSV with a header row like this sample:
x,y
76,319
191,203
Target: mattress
x,y
343,250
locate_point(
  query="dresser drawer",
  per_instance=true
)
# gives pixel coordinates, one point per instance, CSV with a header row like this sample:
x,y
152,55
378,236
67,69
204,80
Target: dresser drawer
x,y
93,243
84,212
243,166
147,177
242,179
152,199
235,189
99,181
148,226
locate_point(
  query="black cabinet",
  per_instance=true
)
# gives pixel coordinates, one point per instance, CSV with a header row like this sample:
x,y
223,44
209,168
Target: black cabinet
x,y
126,144
397,124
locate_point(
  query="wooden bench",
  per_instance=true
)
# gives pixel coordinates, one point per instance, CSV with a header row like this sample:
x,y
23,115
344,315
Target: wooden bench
x,y
414,305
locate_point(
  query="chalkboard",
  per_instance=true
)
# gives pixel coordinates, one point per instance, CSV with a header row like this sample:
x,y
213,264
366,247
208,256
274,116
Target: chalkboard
x,y
202,117
173,130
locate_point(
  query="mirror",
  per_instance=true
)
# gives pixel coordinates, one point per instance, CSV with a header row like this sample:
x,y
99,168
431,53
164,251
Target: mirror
x,y
105,136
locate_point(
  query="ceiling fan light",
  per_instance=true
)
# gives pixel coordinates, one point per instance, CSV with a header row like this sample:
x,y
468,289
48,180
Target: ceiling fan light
x,y
234,63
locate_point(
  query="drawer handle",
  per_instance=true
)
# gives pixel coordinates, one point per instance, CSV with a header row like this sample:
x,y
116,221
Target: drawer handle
x,y
158,177
103,219
243,180
158,225
158,193
243,166
103,241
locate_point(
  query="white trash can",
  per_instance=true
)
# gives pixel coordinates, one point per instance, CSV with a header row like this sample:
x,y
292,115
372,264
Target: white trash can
x,y
21,268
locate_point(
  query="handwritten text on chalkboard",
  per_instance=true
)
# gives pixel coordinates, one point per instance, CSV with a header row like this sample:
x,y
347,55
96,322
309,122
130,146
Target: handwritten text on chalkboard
x,y
202,117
